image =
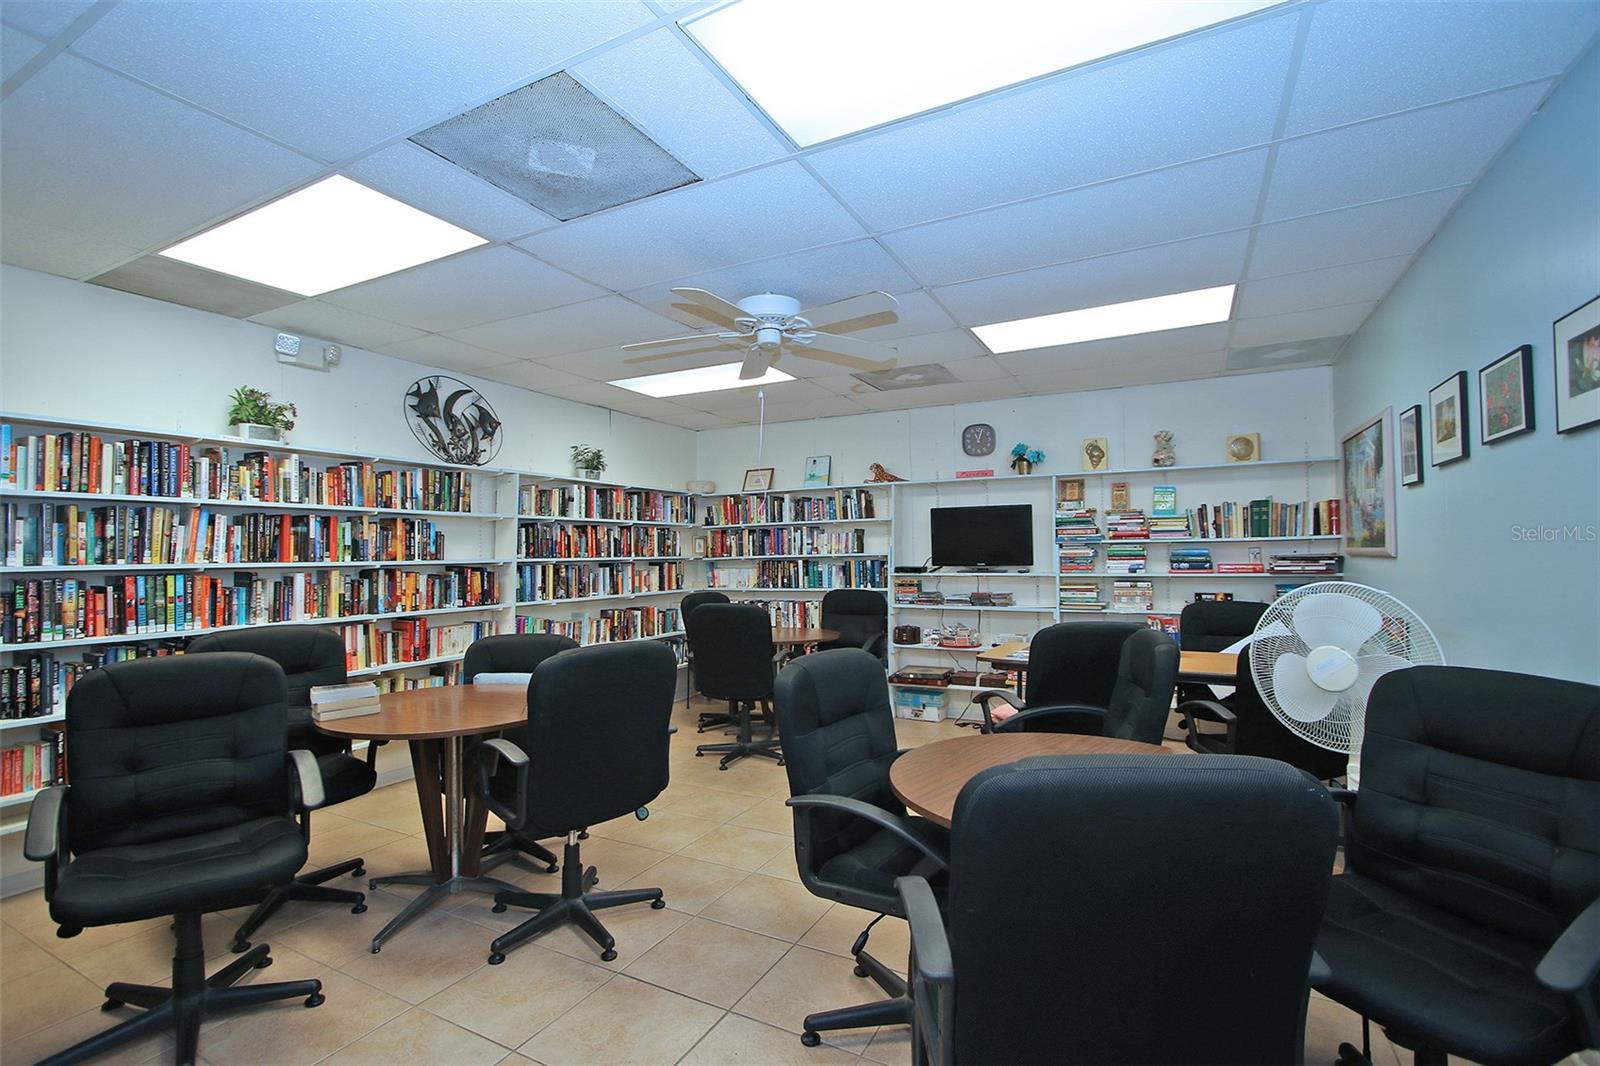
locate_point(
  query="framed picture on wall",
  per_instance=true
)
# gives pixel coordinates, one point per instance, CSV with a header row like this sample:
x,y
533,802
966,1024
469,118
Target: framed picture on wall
x,y
1447,420
1411,445
818,469
1505,396
1366,479
1577,355
758,479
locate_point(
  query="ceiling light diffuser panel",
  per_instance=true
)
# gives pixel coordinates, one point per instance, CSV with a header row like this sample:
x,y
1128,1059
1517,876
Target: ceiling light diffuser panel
x,y
1197,308
326,236
700,379
825,68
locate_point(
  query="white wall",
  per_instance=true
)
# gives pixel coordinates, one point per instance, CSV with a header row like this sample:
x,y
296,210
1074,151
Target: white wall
x,y
75,350
1522,250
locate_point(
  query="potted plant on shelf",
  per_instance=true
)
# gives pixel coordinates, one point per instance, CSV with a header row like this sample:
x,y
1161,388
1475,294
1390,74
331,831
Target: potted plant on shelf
x,y
1023,458
588,462
254,415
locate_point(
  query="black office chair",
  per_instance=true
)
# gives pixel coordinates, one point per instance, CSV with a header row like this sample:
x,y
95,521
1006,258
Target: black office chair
x,y
1249,728
1147,670
707,719
852,837
1467,918
513,653
1070,662
597,732
308,656
1055,951
181,802
733,656
1212,625
861,618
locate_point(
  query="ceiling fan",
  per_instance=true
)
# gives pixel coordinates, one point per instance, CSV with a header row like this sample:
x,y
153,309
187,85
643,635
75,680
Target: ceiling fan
x,y
773,323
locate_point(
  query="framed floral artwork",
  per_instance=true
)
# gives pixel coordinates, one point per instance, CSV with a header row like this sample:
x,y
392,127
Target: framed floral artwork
x,y
1505,396
1447,420
1577,355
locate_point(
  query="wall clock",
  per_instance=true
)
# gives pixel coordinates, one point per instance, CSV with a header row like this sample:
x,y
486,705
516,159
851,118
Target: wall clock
x,y
978,439
452,420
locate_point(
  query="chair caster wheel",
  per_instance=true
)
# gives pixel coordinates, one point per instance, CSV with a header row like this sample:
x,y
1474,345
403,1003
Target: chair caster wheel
x,y
657,904
608,955
377,948
552,868
583,834
359,908
316,999
264,962
722,767
810,1039
780,762
239,947
371,885
359,871
499,908
112,1004
699,755
496,959
860,971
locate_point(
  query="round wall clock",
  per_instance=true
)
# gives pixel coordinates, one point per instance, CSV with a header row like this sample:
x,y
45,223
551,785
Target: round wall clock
x,y
452,420
978,439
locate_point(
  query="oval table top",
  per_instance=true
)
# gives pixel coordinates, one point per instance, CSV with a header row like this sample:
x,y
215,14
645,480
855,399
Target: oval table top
x,y
786,635
928,779
433,713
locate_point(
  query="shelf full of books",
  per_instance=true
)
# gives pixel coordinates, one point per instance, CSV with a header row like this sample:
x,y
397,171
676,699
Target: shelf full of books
x,y
602,503
791,508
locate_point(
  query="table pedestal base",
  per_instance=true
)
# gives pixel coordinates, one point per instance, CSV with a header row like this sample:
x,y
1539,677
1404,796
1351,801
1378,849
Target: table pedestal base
x,y
433,892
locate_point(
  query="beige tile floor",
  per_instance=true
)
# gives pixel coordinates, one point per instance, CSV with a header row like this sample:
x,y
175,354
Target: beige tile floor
x,y
723,975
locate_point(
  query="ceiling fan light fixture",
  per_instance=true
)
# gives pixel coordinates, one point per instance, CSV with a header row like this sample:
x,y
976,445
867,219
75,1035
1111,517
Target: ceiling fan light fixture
x,y
698,379
1198,307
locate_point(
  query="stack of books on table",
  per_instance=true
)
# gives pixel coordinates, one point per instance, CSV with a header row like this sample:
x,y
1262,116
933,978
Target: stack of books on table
x,y
1323,564
1125,558
1133,595
1081,598
1190,560
1169,527
331,702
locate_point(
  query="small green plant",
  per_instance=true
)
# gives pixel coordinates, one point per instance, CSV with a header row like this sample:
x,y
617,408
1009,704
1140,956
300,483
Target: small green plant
x,y
256,407
587,458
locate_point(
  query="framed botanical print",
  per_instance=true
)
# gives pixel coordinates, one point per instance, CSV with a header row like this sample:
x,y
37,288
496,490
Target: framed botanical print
x,y
1505,396
1577,355
1447,420
1411,445
758,479
1366,478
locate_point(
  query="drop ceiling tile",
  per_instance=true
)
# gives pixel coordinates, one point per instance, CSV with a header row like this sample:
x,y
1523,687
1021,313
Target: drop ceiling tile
x,y
27,242
815,276
949,347
1145,347
1186,201
986,369
43,18
16,48
1121,374
611,363
936,395
1321,350
483,285
703,227
1352,283
917,313
117,162
1193,99
659,83
534,377
1301,325
1353,235
418,177
183,283
446,353
738,402
1409,153
336,79
804,410
1365,59
607,321
1187,265
327,322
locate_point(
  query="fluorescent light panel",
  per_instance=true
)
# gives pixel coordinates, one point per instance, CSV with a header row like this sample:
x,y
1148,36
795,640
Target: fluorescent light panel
x,y
323,237
699,379
825,68
1198,308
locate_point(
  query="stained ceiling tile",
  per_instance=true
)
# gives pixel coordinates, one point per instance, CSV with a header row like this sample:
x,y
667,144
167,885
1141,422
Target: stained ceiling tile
x,y
1290,353
327,322
1352,283
1353,235
176,282
418,177
609,320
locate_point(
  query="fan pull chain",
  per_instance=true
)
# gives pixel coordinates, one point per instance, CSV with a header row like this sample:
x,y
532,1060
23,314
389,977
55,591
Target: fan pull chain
x,y
761,424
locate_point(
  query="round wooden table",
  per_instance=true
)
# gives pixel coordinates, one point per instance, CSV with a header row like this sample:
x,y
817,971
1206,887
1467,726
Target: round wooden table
x,y
794,636
434,721
928,779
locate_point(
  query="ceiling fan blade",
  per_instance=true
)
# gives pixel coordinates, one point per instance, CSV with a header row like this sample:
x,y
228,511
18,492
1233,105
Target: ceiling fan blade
x,y
713,302
681,353
756,363
702,337
868,303
847,351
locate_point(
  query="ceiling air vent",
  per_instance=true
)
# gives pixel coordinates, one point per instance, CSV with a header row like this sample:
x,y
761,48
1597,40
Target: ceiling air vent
x,y
555,145
907,377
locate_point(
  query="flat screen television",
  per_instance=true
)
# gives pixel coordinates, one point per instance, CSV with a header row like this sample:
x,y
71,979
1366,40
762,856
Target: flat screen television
x,y
982,536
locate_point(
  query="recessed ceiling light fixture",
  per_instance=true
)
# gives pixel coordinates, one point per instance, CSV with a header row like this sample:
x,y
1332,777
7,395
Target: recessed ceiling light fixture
x,y
826,68
1198,308
323,237
699,379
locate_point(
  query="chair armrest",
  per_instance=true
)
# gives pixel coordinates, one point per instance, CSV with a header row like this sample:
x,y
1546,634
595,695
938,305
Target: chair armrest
x,y
309,794
487,755
1192,711
931,971
372,751
46,837
876,815
987,697
1342,796
1063,718
1573,961
877,646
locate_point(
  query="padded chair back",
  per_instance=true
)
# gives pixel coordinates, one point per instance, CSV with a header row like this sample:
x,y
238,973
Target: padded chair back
x,y
838,740
1083,855
695,599
597,733
860,616
1257,731
308,655
169,747
1212,625
732,646
1480,795
1147,672
1076,662
514,653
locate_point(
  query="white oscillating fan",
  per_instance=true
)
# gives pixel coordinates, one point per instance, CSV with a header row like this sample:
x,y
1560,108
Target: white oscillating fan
x,y
1319,649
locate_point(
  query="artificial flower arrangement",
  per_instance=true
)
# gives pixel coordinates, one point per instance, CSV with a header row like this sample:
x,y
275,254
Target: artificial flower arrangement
x,y
1023,458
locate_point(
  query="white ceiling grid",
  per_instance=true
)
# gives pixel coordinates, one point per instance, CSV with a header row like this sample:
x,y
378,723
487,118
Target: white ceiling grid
x,y
1306,153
